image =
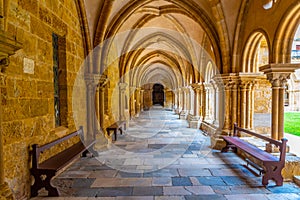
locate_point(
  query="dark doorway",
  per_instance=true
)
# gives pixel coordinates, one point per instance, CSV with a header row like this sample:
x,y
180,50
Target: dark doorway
x,y
158,94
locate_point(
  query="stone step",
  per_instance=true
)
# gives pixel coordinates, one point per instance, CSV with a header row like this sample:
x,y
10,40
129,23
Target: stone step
x,y
297,180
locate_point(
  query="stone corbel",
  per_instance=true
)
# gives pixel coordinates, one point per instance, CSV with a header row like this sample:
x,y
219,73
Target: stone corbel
x,y
8,47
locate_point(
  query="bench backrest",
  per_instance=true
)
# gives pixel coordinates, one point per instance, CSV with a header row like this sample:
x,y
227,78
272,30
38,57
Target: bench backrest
x,y
37,150
281,144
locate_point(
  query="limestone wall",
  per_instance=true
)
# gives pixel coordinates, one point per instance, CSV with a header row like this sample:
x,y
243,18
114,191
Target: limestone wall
x,y
28,102
263,96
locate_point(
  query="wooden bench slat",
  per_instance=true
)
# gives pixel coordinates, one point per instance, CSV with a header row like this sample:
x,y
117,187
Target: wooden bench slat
x,y
55,163
250,149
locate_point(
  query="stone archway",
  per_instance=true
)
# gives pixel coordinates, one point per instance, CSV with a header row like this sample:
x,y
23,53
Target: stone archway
x,y
158,95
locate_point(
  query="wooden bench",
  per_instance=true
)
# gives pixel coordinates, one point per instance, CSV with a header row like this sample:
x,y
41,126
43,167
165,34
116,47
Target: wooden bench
x,y
119,125
271,165
43,172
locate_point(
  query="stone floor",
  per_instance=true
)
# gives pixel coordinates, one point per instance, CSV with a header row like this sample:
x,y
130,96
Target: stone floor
x,y
160,158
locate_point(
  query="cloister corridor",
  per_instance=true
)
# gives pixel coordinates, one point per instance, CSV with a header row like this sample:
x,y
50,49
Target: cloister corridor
x,y
159,158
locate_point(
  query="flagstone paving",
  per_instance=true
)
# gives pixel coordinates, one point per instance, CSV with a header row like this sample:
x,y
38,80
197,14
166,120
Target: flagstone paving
x,y
160,158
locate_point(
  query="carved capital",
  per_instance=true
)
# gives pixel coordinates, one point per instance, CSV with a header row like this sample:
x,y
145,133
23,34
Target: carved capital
x,y
197,87
123,86
278,74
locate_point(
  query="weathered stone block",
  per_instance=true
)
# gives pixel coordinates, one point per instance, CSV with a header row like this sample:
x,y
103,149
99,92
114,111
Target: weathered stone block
x,y
39,29
45,15
29,5
44,51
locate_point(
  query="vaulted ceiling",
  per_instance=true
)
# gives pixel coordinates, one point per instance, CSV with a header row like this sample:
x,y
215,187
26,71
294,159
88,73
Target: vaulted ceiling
x,y
163,41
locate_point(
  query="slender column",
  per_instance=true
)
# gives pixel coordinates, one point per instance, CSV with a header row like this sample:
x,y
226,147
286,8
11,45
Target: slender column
x,y
214,103
137,100
132,102
227,120
243,104
142,100
2,85
196,88
92,81
249,107
234,99
179,100
97,108
252,105
122,89
175,100
102,86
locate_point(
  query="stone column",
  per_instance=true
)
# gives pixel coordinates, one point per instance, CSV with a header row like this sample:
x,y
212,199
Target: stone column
x,y
142,100
176,101
243,103
132,102
194,121
183,104
92,81
278,74
122,90
137,101
216,141
247,83
2,87
102,86
214,103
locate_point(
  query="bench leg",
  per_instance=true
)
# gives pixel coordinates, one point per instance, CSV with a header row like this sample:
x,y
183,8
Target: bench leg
x,y
273,172
38,184
52,191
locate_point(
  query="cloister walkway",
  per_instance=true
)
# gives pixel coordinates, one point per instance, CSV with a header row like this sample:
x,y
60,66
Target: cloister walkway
x,y
160,158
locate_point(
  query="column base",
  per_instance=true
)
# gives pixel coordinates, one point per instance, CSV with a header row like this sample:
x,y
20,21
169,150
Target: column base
x,y
217,143
271,148
194,121
183,115
5,192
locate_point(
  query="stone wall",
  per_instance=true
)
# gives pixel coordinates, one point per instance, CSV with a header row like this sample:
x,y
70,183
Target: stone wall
x,y
28,102
263,96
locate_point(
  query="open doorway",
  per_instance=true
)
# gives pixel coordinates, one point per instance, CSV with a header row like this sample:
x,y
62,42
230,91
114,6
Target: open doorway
x,y
158,95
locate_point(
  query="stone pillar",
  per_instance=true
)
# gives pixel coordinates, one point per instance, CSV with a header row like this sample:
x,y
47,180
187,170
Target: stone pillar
x,y
195,119
102,86
2,87
142,100
216,141
137,101
132,102
214,101
122,90
183,103
278,74
92,81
